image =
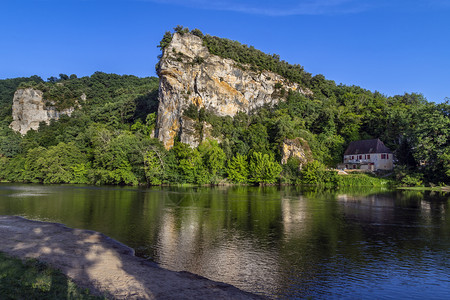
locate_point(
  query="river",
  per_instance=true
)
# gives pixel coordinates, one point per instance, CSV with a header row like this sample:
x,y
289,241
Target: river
x,y
281,242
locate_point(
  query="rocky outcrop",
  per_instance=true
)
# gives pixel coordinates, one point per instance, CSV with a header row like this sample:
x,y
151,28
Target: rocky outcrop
x,y
29,109
194,133
189,74
189,133
297,148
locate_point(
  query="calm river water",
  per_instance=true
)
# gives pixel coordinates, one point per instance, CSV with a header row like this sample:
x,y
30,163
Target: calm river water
x,y
280,242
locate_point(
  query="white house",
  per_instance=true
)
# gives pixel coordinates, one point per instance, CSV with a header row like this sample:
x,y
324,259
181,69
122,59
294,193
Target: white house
x,y
368,155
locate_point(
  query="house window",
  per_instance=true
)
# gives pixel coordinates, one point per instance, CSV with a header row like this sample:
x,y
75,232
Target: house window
x,y
383,156
360,157
387,156
353,157
368,156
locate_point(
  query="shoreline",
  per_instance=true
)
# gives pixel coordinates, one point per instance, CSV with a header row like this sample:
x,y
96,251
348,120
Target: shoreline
x,y
105,266
445,189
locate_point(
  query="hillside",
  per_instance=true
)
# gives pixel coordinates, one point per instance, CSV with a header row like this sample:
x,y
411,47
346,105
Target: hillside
x,y
109,139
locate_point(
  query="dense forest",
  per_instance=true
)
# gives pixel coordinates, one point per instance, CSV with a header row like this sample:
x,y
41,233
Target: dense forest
x,y
108,139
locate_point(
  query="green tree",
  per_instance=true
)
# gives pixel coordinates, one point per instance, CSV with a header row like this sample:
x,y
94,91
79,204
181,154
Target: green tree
x,y
431,136
113,157
32,168
167,38
263,168
213,156
191,165
10,143
312,173
291,171
154,170
52,79
63,76
316,173
158,163
257,138
63,163
194,170
238,169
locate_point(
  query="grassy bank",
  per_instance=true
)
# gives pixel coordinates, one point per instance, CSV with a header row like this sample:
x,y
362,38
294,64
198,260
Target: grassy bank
x,y
363,179
35,280
423,188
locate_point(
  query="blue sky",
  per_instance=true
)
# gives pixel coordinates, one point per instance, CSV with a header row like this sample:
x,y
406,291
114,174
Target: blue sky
x,y
393,46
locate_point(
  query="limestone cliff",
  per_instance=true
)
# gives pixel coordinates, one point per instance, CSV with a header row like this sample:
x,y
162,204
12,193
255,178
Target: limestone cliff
x,y
193,132
189,74
296,148
29,109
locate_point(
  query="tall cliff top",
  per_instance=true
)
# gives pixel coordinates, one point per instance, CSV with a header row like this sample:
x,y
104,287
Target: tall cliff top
x,y
241,54
188,44
191,75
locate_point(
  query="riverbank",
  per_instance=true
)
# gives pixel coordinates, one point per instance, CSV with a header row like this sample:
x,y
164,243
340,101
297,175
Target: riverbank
x,y
104,266
423,188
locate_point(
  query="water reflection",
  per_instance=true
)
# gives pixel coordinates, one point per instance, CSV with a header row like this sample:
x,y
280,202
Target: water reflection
x,y
281,242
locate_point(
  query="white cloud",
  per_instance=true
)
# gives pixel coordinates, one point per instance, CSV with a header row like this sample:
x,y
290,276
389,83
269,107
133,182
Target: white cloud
x,y
277,8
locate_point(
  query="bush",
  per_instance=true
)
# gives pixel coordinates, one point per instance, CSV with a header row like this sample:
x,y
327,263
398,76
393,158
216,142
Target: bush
x,y
263,168
353,180
316,173
412,180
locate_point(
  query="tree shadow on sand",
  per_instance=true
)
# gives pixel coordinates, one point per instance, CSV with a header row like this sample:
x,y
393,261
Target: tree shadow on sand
x,y
104,266
33,279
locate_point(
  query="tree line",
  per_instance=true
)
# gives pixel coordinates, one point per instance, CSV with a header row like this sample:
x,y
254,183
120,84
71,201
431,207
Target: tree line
x,y
108,139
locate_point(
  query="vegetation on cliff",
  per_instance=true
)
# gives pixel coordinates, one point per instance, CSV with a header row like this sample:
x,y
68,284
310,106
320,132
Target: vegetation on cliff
x,y
108,139
244,55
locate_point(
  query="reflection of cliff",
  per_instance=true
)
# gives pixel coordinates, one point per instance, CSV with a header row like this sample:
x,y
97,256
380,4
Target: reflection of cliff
x,y
209,236
295,215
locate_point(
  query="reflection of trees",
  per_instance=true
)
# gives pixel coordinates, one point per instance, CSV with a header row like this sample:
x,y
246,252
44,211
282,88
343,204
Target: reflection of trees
x,y
271,239
403,214
357,233
402,232
436,207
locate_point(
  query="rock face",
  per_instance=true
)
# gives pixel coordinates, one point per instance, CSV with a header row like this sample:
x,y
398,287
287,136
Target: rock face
x,y
29,109
189,74
189,133
193,133
296,148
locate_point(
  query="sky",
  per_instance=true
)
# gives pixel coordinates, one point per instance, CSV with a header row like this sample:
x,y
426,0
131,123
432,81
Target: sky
x,y
389,46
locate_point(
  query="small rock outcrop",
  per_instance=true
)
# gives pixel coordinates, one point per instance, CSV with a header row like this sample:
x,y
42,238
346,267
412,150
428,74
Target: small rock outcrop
x,y
194,133
29,109
297,148
189,74
189,133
